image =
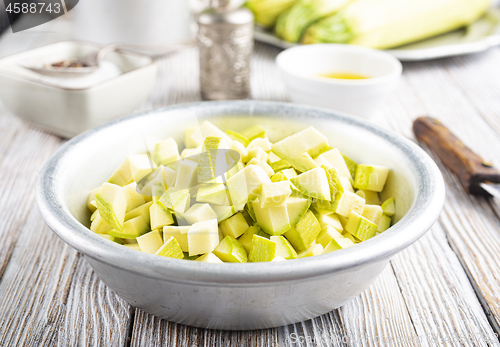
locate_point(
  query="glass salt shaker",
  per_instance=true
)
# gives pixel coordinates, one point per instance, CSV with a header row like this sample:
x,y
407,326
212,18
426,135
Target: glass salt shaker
x,y
225,40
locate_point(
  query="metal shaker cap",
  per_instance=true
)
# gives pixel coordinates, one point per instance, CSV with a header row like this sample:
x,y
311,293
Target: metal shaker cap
x,y
239,16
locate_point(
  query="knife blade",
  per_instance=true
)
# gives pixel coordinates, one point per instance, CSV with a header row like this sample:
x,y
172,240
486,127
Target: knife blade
x,y
476,176
492,188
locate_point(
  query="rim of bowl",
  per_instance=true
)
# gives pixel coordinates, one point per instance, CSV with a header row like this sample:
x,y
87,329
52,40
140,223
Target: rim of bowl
x,y
419,218
395,73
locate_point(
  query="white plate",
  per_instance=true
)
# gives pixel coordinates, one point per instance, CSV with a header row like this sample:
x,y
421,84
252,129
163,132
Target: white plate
x,y
477,37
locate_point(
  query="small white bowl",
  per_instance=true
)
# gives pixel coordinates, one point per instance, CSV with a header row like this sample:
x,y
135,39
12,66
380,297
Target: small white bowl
x,y
301,68
69,108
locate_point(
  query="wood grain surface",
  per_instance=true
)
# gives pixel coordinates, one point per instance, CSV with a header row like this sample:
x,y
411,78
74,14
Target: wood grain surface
x,y
442,291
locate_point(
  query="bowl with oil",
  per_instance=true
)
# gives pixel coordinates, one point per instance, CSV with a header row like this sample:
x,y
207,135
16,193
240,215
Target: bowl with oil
x,y
346,78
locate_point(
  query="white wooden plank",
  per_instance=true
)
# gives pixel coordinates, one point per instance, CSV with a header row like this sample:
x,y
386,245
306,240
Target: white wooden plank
x,y
322,331
441,306
266,83
54,298
18,170
379,317
477,77
430,89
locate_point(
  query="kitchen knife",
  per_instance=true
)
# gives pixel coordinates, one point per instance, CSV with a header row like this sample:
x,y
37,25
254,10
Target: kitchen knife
x,y
476,176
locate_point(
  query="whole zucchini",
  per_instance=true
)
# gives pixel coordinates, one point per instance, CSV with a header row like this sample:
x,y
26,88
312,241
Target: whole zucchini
x,y
390,23
292,23
267,11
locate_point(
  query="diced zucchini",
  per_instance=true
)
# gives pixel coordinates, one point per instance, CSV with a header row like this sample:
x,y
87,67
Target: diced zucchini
x,y
360,227
331,220
231,251
334,181
346,202
209,258
279,165
111,204
193,137
314,249
371,198
215,193
351,165
134,246
246,238
187,176
210,130
213,161
91,204
150,242
225,211
99,225
171,249
110,238
180,234
240,149
236,136
273,158
262,249
132,229
246,184
122,176
160,216
234,226
256,153
140,166
262,142
203,237
199,213
254,132
346,184
347,235
314,184
257,212
338,243
133,196
389,207
278,258
284,248
166,152
327,234
371,177
334,159
177,200
273,194
191,153
300,148
273,220
302,235
269,171
373,213
297,207
384,223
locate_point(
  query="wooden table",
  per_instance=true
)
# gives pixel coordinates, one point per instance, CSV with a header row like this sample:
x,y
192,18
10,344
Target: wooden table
x,y
442,291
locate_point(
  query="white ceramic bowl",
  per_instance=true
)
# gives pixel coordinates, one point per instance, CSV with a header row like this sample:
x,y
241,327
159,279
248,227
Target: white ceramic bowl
x,y
69,110
238,296
302,66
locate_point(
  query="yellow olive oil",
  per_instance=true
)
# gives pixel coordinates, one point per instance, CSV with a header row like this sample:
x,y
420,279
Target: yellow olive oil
x,y
344,76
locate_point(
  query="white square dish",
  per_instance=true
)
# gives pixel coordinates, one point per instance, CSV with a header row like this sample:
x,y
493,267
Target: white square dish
x,y
69,109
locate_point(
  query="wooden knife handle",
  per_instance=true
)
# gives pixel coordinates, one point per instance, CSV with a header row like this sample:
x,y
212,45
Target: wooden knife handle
x,y
467,165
